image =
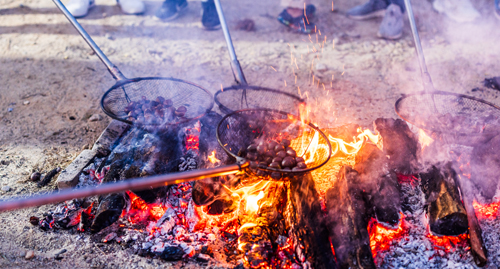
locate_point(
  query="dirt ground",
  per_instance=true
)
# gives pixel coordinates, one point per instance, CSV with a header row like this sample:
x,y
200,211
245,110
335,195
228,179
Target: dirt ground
x,y
45,62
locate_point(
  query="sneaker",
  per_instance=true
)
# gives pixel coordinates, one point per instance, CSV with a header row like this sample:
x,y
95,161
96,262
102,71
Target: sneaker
x,y
79,8
457,10
132,6
497,9
210,17
171,9
285,18
392,24
370,9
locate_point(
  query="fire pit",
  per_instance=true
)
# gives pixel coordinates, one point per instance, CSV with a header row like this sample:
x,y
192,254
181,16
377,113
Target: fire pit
x,y
372,205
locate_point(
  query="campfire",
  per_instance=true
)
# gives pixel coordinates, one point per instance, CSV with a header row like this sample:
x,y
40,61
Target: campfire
x,y
373,204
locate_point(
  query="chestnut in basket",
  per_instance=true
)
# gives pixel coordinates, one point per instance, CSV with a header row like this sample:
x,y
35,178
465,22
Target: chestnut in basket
x,y
157,111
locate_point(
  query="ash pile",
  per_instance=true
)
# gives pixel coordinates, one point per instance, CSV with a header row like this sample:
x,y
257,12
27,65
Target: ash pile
x,y
386,202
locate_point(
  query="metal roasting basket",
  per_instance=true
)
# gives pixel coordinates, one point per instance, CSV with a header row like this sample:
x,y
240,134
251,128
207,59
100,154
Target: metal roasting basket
x,y
235,133
244,96
449,117
114,102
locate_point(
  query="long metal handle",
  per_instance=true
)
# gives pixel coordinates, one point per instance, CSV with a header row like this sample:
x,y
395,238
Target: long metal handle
x,y
239,77
111,67
426,77
130,184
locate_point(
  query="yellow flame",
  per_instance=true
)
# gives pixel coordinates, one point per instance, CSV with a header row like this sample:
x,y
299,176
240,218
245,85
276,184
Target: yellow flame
x,y
212,158
350,148
424,139
252,205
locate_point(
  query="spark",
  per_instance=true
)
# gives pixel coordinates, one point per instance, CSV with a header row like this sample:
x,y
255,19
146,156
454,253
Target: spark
x,y
221,89
273,68
333,44
285,83
324,88
332,6
319,32
300,94
305,15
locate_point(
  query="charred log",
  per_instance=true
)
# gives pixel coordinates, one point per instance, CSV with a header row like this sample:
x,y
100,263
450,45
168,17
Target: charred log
x,y
48,177
399,143
485,164
109,211
380,185
447,215
348,219
306,223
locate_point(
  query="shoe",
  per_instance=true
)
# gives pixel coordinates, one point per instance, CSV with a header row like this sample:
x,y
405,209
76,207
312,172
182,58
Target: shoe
x,y
392,24
370,9
79,8
285,18
457,10
497,9
171,9
132,6
210,17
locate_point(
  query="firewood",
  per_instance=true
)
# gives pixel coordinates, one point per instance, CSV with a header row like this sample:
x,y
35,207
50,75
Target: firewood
x,y
109,211
306,222
348,220
380,185
399,143
447,215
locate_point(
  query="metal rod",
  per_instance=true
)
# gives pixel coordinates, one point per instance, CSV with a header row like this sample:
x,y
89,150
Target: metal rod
x,y
131,184
117,75
426,77
235,64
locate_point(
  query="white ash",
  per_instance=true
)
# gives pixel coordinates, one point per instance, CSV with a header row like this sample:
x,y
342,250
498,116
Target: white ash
x,y
90,176
188,163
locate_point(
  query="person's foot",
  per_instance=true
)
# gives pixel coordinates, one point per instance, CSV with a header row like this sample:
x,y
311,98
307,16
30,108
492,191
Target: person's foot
x,y
79,8
300,23
132,6
497,9
171,9
370,9
392,24
457,10
210,17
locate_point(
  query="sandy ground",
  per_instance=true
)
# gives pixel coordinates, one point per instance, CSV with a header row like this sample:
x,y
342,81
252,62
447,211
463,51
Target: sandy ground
x,y
44,61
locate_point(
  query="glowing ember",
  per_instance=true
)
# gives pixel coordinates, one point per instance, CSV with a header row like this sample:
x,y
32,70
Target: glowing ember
x,y
488,211
142,211
212,158
381,236
448,242
193,137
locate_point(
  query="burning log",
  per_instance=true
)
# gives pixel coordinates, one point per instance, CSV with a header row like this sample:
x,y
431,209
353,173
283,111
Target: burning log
x,y
379,183
109,211
485,164
306,223
348,219
447,215
399,143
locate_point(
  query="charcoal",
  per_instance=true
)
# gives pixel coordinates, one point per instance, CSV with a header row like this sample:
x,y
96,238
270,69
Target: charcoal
x,y
348,221
485,164
86,219
306,223
379,184
34,220
48,177
172,253
109,210
492,83
399,143
447,215
205,191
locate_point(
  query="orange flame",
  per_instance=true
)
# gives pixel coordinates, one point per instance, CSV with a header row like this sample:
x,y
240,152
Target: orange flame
x,y
212,158
424,139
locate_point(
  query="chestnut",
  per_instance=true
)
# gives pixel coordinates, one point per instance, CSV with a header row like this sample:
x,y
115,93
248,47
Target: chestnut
x,y
35,176
160,99
252,156
281,154
268,159
301,165
181,111
275,175
254,165
285,143
271,153
279,148
291,152
271,145
252,148
275,165
168,103
299,160
288,161
261,149
277,160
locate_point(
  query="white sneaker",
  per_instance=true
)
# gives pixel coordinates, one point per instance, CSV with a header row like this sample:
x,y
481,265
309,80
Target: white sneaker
x,y
79,8
132,6
457,10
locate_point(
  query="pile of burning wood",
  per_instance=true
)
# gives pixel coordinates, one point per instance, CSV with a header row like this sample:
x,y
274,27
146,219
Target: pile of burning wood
x,y
372,194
